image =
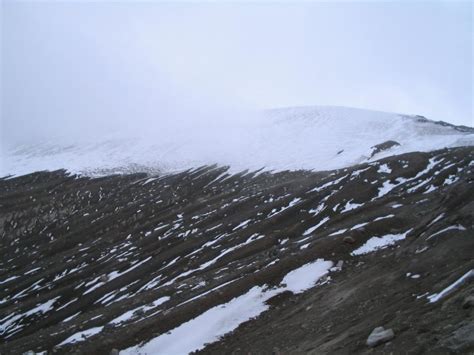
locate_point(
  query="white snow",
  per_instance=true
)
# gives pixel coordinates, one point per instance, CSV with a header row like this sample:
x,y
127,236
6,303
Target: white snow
x,y
253,237
315,211
358,172
386,188
431,164
242,225
212,261
219,320
130,314
294,201
451,179
305,276
71,317
9,279
423,249
455,227
43,307
436,219
32,271
384,169
113,275
360,225
388,185
208,292
384,217
376,243
350,206
81,336
207,327
9,323
312,229
215,227
341,231
431,188
437,296
280,139
149,180
291,204
327,184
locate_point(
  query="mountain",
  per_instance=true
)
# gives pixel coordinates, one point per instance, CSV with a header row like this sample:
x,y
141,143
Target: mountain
x,y
312,138
365,251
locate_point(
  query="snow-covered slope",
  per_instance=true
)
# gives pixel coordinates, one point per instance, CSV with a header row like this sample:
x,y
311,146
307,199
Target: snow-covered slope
x,y
317,138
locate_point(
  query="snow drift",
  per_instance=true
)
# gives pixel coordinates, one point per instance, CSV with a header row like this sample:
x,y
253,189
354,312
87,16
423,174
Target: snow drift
x,y
315,138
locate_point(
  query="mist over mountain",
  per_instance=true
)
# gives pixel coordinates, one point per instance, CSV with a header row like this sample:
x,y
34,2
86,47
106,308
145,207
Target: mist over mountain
x,y
236,178
77,69
314,138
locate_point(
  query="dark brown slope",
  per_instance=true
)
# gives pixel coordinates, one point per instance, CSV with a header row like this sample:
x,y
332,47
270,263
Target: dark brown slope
x,y
76,253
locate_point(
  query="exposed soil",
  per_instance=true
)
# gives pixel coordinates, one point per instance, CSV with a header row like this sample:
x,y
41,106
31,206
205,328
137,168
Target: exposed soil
x,y
78,252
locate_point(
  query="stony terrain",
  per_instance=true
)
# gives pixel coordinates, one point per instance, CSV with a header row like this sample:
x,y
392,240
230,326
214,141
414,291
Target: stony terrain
x,y
100,265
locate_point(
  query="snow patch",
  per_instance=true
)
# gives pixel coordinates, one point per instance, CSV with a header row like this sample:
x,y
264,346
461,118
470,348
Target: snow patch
x,y
351,206
377,243
280,139
219,320
384,169
81,336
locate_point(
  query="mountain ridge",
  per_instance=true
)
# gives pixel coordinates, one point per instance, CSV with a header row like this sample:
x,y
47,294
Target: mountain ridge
x,y
311,138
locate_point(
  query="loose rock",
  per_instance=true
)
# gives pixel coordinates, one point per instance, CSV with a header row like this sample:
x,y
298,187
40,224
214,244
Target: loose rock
x,y
468,302
348,240
379,335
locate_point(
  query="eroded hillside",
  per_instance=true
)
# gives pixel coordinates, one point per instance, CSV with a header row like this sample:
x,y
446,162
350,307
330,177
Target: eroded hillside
x,y
129,262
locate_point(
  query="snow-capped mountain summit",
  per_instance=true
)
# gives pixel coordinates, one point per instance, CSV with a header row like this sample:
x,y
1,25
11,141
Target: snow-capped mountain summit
x,y
314,138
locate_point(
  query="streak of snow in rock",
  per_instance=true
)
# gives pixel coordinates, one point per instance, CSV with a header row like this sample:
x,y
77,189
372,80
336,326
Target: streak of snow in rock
x,y
376,243
312,229
455,227
437,296
81,336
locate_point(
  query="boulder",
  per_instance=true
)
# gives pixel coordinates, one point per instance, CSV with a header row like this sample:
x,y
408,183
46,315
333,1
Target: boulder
x,y
468,302
348,240
380,335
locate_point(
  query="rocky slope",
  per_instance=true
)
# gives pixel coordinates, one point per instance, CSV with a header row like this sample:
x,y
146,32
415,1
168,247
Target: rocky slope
x,y
276,263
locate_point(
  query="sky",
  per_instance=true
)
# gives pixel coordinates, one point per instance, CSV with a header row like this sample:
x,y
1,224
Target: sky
x,y
84,68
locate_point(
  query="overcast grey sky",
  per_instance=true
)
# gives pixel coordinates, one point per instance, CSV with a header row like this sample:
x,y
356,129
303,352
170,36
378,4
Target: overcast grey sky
x,y
70,67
